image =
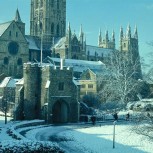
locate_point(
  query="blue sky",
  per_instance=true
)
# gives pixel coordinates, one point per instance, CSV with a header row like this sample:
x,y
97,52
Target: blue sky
x,y
94,14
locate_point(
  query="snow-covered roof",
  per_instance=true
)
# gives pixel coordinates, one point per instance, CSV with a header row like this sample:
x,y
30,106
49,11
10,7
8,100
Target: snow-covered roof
x,y
76,82
80,65
60,43
20,81
4,26
32,42
8,82
105,52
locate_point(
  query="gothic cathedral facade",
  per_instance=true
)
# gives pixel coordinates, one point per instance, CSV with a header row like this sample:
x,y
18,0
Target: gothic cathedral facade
x,y
48,20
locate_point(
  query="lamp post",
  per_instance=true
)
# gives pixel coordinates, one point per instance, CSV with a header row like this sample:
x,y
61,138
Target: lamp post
x,y
5,110
114,123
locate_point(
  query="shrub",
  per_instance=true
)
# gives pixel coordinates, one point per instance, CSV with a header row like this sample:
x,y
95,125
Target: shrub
x,y
29,147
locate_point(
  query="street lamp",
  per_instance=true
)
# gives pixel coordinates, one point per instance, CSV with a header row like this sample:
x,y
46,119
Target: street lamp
x,y
5,110
114,123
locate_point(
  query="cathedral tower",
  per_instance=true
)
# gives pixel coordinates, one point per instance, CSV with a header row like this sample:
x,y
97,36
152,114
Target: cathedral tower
x,y
48,18
129,46
106,42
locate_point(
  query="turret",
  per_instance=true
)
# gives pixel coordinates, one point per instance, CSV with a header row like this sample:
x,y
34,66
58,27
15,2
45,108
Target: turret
x,y
81,35
128,34
106,36
68,41
17,16
99,38
135,33
113,36
121,33
68,34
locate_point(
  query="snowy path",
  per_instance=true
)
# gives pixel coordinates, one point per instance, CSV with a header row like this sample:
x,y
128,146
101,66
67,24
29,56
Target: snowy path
x,y
94,139
52,134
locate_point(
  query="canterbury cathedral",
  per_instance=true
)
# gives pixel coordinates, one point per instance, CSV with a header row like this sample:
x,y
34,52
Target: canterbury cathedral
x,y
24,56
48,33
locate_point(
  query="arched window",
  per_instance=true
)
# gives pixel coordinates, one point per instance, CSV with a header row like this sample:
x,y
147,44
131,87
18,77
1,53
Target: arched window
x,y
52,3
36,29
58,55
41,3
57,4
19,62
124,45
6,61
41,26
36,4
52,28
57,30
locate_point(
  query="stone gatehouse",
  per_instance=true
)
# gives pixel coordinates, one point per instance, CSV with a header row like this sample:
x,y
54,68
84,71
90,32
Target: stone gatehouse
x,y
47,92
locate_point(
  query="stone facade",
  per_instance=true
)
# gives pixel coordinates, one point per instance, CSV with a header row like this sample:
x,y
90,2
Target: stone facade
x,y
14,49
48,19
49,93
130,49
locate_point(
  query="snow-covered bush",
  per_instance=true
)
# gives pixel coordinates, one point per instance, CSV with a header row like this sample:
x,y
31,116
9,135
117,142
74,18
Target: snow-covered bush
x,y
29,147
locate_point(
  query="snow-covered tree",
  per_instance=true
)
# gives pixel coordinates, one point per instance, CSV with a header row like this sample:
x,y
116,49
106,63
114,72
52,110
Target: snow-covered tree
x,y
122,83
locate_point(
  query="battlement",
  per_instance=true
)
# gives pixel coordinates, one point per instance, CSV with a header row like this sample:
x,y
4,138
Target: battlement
x,y
30,65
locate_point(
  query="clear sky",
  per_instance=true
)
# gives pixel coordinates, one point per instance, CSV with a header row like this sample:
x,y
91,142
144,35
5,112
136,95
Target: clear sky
x,y
94,14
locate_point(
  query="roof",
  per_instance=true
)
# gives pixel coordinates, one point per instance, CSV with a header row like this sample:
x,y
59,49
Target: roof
x,y
105,52
32,42
4,26
20,82
80,65
60,43
8,82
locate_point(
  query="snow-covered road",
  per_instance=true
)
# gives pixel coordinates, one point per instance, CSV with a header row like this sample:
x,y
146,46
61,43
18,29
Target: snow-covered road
x,y
94,139
54,134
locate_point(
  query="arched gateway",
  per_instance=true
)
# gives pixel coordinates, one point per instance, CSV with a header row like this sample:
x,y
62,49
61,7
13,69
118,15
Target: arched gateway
x,y
60,112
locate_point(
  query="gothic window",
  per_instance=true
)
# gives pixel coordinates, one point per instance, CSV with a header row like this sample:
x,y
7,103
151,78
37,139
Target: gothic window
x,y
41,3
83,86
57,30
36,29
36,3
124,45
52,3
57,4
41,25
52,28
61,86
90,85
6,61
19,62
10,33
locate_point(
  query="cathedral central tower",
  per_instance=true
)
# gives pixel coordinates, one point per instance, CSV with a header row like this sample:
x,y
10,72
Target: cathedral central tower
x,y
48,18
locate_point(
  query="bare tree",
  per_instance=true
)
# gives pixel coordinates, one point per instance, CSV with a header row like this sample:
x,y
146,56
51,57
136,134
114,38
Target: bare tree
x,y
122,81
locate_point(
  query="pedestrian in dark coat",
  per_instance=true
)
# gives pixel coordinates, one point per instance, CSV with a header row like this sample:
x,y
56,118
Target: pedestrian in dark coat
x,y
115,116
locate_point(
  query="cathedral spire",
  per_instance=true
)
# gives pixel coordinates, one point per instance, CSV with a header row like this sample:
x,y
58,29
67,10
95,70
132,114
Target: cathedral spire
x,y
135,33
81,31
106,35
69,27
128,31
121,33
81,35
100,37
17,16
113,36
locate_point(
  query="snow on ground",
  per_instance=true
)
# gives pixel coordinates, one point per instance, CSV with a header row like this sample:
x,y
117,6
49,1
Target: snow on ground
x,y
97,139
85,138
